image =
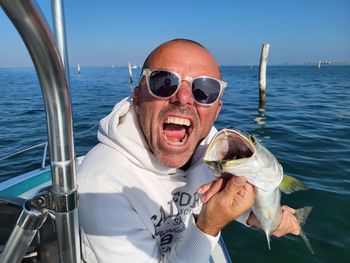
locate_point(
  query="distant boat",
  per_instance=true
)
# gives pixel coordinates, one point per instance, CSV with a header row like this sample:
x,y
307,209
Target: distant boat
x,y
134,66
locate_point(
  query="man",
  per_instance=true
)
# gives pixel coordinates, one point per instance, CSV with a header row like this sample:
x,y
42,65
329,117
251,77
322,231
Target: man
x,y
140,187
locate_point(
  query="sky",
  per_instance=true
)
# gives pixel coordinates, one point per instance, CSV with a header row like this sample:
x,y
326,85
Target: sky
x,y
107,32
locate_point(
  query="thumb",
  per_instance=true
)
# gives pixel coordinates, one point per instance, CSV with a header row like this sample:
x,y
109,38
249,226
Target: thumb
x,y
234,185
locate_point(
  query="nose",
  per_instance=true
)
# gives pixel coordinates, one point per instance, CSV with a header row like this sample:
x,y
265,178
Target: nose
x,y
183,96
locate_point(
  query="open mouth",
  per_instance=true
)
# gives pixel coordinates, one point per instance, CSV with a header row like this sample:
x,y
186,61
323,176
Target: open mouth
x,y
176,130
227,146
238,148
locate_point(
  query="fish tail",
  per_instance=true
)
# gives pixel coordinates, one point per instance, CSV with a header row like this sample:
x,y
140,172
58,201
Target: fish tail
x,y
301,215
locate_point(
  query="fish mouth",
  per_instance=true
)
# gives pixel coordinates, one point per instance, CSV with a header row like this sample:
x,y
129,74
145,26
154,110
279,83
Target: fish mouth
x,y
229,145
238,148
176,130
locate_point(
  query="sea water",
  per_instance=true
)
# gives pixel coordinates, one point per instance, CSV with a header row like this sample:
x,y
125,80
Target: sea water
x,y
306,124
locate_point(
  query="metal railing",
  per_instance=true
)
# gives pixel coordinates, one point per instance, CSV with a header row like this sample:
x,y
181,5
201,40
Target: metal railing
x,y
45,144
43,162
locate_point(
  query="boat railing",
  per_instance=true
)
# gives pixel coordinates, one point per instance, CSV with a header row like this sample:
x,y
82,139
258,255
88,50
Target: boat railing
x,y
43,144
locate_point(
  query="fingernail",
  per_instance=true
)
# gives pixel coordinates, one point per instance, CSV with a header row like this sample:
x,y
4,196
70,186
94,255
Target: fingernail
x,y
239,180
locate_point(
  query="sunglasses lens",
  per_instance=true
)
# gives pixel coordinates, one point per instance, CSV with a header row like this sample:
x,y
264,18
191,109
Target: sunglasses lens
x,y
163,83
205,90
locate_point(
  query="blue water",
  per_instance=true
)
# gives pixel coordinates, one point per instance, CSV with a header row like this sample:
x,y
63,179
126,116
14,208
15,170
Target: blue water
x,y
306,125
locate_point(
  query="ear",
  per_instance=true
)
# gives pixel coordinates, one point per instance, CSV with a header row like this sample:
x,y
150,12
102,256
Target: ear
x,y
218,109
136,99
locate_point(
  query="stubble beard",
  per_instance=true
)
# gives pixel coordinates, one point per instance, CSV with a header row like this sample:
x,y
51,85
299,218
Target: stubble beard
x,y
171,158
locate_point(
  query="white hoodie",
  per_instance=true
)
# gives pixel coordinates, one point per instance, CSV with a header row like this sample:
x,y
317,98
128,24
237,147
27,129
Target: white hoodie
x,y
133,208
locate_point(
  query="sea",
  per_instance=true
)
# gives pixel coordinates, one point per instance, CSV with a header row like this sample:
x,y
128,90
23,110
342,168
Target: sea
x,y
306,124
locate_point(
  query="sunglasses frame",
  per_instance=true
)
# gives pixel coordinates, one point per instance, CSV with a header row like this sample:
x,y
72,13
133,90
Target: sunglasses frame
x,y
148,72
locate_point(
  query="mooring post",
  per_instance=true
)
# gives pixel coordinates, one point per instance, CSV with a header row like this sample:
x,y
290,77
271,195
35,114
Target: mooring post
x,y
262,76
130,73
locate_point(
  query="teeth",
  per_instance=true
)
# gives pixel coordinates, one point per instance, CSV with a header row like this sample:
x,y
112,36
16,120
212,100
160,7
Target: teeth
x,y
179,121
179,142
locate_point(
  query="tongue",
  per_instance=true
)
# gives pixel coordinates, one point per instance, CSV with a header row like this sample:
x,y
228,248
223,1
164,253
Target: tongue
x,y
174,132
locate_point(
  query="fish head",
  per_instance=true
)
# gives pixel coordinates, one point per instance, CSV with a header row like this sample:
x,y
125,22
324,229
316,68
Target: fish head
x,y
228,148
242,155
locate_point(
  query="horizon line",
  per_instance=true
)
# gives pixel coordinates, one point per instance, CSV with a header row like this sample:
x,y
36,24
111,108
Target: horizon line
x,y
340,63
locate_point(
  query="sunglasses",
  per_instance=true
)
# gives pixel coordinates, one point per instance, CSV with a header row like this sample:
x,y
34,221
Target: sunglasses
x,y
163,84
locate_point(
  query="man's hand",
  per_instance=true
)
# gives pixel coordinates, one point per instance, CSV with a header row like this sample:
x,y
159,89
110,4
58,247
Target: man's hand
x,y
224,200
289,224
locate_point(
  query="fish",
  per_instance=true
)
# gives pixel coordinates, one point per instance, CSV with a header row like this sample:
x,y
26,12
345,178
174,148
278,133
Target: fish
x,y
232,153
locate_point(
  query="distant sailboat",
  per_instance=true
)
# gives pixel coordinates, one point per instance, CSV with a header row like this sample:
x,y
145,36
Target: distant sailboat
x,y
319,64
78,68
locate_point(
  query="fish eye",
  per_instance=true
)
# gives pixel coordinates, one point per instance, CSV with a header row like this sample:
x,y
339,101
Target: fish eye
x,y
219,166
252,138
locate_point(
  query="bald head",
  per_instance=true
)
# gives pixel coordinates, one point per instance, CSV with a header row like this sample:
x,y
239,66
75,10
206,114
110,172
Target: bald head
x,y
183,53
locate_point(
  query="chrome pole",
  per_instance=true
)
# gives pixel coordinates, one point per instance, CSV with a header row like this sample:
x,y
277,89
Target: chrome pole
x,y
38,39
65,235
28,224
59,30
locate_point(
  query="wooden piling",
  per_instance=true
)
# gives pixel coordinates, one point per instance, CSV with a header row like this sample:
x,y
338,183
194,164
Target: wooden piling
x,y
130,73
262,76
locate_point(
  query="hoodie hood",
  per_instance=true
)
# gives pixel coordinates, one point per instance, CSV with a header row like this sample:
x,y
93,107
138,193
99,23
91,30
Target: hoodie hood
x,y
121,130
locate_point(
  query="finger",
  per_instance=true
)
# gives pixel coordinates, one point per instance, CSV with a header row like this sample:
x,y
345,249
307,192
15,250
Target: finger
x,y
295,227
246,189
281,231
215,187
287,208
253,221
289,224
245,196
284,225
204,188
233,186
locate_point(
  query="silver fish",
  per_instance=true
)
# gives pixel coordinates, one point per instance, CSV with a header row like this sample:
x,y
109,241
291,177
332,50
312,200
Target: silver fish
x,y
230,153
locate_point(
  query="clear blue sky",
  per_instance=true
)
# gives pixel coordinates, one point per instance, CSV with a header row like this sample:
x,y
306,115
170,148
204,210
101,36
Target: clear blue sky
x,y
114,31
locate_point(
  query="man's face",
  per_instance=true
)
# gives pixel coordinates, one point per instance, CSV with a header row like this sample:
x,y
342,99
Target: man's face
x,y
174,127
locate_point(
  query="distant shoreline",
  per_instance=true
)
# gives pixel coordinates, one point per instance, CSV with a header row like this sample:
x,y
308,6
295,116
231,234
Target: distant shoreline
x,y
334,64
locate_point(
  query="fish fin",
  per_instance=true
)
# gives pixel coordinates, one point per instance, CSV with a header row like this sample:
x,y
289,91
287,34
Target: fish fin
x,y
268,239
290,184
307,242
301,215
